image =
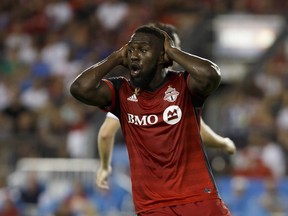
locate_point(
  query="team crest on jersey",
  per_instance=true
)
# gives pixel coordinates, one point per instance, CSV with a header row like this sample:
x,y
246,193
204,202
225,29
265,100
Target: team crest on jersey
x,y
172,115
133,97
171,94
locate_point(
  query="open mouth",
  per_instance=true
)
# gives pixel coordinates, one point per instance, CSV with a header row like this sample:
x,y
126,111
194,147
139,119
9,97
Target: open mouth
x,y
135,69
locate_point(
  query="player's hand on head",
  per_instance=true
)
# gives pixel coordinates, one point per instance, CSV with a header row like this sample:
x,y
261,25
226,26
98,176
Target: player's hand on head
x,y
168,44
102,178
123,51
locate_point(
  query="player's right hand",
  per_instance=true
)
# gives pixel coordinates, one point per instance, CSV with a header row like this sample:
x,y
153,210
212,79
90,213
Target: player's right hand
x,y
123,51
102,178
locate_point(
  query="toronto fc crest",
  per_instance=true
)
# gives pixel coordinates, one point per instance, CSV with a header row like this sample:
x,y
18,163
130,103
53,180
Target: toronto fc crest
x,y
171,94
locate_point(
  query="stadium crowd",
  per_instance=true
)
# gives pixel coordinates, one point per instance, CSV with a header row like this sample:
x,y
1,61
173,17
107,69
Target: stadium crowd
x,y
44,44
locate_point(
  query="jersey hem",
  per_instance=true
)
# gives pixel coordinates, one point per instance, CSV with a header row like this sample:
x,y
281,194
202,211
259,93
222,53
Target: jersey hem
x,y
167,204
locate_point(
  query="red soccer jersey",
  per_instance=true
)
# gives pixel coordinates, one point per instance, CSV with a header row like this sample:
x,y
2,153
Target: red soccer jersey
x,y
161,130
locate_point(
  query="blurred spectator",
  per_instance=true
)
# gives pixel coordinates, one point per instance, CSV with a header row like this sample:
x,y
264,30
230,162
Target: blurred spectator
x,y
248,162
5,125
55,51
22,118
63,210
272,155
117,199
32,189
36,96
10,64
236,109
4,93
78,137
236,198
17,38
78,202
282,126
271,202
262,157
59,13
8,200
268,81
78,142
282,116
9,208
21,43
119,10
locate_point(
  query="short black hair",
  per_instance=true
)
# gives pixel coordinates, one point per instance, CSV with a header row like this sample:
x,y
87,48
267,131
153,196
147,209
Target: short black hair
x,y
149,29
168,28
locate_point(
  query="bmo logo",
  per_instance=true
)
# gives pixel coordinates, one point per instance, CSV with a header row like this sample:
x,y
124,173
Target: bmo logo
x,y
172,115
143,120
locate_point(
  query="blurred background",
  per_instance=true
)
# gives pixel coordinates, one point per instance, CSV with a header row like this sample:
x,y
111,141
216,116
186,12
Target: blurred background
x,y
48,140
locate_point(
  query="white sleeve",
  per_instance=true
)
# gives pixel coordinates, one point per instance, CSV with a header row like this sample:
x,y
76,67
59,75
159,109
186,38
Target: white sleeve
x,y
110,115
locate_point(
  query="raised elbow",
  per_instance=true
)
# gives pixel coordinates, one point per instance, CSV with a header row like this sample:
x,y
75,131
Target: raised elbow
x,y
215,72
80,91
210,81
75,89
214,76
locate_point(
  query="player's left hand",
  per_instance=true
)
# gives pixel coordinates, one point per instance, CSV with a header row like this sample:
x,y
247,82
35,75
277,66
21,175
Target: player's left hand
x,y
168,44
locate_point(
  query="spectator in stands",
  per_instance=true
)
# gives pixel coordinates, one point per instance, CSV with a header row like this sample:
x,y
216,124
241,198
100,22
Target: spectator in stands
x,y
237,195
271,202
9,208
32,189
79,203
263,156
8,200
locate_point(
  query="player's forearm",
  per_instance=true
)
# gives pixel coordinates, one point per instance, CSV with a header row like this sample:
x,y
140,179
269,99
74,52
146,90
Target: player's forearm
x,y
210,138
213,140
206,74
89,79
197,66
105,147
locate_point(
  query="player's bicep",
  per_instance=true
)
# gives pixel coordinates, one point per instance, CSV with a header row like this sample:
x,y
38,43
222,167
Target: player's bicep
x,y
206,84
196,86
197,98
104,94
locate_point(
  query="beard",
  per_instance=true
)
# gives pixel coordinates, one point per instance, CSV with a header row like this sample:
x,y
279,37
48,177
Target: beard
x,y
140,82
144,81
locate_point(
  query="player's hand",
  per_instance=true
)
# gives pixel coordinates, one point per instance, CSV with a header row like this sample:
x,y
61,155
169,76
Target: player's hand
x,y
122,52
168,44
229,146
102,178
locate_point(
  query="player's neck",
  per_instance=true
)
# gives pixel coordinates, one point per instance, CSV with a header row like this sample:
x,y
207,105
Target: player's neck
x,y
158,80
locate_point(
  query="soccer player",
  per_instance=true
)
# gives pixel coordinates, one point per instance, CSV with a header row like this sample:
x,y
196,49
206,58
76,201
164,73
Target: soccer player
x,y
159,111
110,126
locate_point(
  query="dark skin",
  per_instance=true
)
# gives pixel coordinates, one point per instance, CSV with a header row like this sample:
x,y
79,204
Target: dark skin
x,y
144,55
